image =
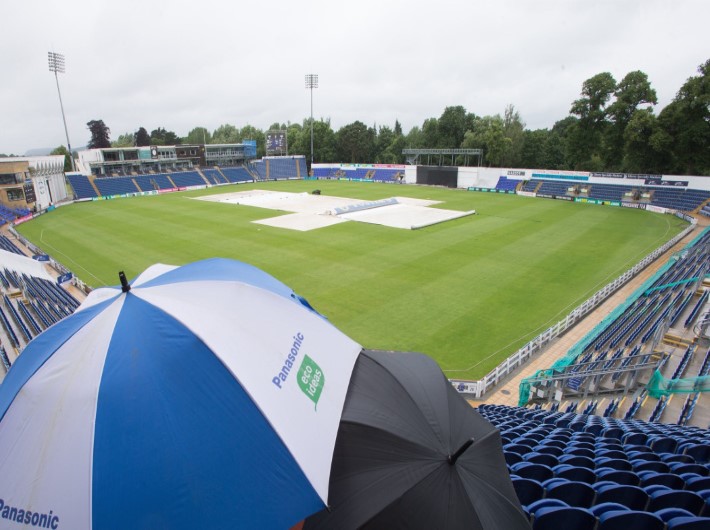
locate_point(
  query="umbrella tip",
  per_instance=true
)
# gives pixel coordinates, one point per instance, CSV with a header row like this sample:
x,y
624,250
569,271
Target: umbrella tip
x,y
124,282
461,450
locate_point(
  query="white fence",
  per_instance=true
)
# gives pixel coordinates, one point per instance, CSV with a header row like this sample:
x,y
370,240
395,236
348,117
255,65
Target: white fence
x,y
520,357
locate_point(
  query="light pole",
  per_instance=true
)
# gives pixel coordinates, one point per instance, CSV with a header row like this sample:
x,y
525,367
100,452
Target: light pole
x,y
311,83
56,65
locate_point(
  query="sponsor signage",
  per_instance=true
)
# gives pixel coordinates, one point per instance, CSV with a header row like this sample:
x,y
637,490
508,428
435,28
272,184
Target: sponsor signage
x,y
64,278
515,173
658,181
491,190
41,257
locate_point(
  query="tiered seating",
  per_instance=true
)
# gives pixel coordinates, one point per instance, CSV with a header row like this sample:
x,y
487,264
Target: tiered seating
x,y
678,199
9,246
115,186
153,182
620,343
550,187
213,176
237,174
82,186
608,192
506,184
530,185
283,168
632,473
325,172
260,168
5,359
187,179
8,214
386,175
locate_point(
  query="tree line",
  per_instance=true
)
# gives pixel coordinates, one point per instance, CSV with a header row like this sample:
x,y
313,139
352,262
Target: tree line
x,y
612,127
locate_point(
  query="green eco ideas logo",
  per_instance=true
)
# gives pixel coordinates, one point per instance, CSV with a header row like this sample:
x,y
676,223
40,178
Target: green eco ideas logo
x,y
311,379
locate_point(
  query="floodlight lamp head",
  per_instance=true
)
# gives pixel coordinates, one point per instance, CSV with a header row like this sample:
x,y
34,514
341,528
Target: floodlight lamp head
x,y
56,62
311,80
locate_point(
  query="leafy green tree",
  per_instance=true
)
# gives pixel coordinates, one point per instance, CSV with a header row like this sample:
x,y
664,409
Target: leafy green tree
x,y
61,150
124,140
532,153
160,136
324,141
686,120
430,133
100,135
385,137
294,133
488,134
198,135
451,127
514,129
225,134
631,92
141,138
585,138
355,143
641,154
414,139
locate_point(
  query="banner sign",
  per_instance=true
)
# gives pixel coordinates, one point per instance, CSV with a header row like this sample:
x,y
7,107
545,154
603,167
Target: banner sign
x,y
624,176
660,182
556,175
597,201
656,209
41,257
556,197
491,190
64,278
465,387
637,205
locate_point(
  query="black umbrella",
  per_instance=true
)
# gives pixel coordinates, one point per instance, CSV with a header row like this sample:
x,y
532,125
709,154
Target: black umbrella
x,y
411,453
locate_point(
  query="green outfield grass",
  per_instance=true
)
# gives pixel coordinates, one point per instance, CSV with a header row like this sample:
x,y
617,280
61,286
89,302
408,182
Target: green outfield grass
x,y
468,292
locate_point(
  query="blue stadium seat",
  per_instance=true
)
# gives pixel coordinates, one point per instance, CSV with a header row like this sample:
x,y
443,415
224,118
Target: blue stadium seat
x,y
578,474
528,490
563,518
578,494
632,497
689,523
604,507
670,513
688,500
539,472
630,520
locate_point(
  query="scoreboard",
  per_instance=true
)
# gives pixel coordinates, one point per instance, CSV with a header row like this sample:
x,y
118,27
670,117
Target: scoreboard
x,y
276,143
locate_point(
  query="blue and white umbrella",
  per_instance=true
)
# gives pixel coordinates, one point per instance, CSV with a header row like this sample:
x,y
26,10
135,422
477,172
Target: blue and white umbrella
x,y
202,396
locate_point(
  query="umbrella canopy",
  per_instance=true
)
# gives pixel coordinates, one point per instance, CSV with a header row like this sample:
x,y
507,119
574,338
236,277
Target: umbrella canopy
x,y
202,396
411,453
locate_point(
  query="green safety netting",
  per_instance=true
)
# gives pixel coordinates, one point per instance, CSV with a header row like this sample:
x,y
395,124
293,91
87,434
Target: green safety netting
x,y
571,356
660,386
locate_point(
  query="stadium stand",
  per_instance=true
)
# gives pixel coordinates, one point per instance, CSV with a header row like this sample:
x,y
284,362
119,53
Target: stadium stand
x,y
82,186
615,478
8,215
7,245
506,184
237,174
622,353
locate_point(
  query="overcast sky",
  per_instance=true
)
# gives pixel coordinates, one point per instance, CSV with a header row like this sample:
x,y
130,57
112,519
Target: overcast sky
x,y
182,64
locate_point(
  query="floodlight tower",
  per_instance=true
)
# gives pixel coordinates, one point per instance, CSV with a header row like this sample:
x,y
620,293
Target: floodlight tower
x,y
56,65
311,83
